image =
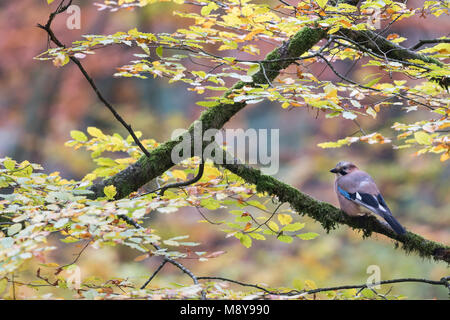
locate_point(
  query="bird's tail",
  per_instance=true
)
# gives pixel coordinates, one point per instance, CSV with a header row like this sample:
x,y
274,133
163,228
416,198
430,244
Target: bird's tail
x,y
395,225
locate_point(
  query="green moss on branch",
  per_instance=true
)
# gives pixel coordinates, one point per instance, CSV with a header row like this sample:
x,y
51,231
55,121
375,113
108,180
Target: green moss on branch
x,y
148,168
330,217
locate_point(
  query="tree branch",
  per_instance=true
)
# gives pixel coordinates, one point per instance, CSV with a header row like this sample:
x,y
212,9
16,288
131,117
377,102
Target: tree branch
x,y
47,27
159,159
429,41
330,217
165,258
154,274
381,46
442,282
198,176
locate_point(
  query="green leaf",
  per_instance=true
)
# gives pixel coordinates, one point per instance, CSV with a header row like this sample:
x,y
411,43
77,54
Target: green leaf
x,y
368,293
110,191
332,114
257,236
207,104
9,164
284,238
373,82
14,229
210,204
322,3
254,68
308,235
78,136
105,162
159,51
246,240
423,138
293,227
243,219
50,1
206,10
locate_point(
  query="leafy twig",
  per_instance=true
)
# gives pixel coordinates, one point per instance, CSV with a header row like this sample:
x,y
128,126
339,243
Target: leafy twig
x,y
47,27
166,259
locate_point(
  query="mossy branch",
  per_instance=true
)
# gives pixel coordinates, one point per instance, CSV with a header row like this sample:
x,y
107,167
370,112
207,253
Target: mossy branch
x,y
379,45
330,217
160,160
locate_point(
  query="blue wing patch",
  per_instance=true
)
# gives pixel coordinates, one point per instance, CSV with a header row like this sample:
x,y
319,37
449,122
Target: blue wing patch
x,y
375,204
344,193
369,201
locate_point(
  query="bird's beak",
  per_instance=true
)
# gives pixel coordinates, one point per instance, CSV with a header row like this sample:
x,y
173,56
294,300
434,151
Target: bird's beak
x,y
334,170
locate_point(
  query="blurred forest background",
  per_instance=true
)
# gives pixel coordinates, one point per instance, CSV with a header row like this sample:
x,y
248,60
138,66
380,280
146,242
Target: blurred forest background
x,y
40,104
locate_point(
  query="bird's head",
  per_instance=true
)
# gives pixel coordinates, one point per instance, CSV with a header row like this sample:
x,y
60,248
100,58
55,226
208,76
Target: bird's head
x,y
343,168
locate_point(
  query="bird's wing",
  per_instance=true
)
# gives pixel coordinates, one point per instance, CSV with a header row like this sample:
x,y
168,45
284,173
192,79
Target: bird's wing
x,y
366,200
361,189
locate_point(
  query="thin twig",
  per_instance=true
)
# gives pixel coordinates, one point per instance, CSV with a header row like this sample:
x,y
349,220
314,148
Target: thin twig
x,y
369,88
76,258
54,39
442,282
167,259
199,175
430,41
154,274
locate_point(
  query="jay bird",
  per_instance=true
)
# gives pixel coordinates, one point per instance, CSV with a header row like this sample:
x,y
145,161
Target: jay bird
x,y
358,194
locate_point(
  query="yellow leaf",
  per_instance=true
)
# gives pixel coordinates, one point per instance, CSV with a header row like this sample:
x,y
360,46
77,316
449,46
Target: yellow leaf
x,y
90,177
330,90
445,156
284,218
311,284
110,191
423,138
210,173
273,226
95,132
206,10
179,174
322,3
9,164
